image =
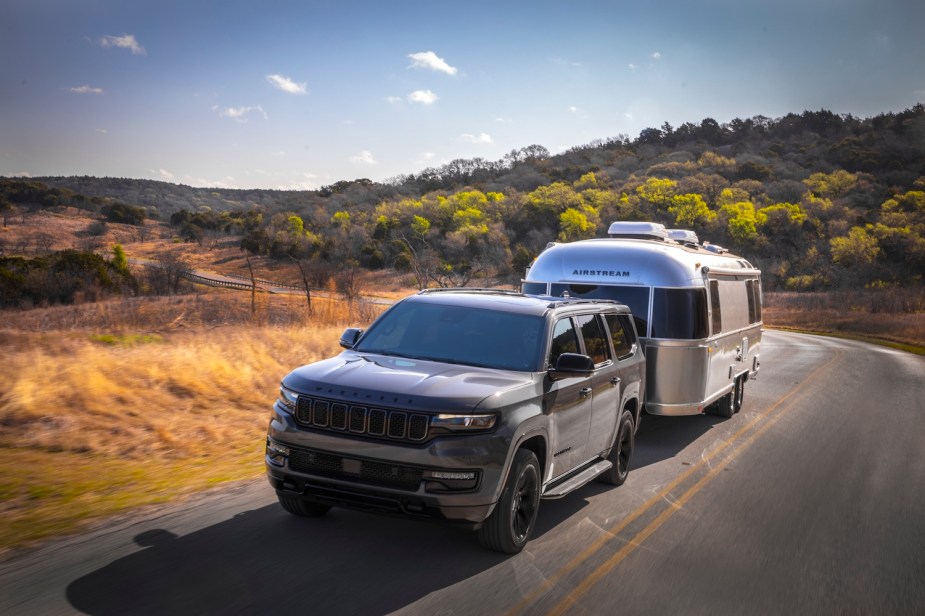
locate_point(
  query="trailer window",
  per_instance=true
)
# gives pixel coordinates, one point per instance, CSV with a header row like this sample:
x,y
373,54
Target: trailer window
x,y
714,307
533,288
754,301
637,298
679,314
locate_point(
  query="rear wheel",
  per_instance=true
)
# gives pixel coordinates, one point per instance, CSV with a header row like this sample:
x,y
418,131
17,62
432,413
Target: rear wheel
x,y
508,527
622,451
301,507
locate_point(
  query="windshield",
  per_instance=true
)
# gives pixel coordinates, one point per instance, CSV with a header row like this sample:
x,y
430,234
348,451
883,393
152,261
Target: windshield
x,y
457,334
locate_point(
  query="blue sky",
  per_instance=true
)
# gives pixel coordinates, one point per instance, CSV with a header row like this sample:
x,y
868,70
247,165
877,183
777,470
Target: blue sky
x,y
302,94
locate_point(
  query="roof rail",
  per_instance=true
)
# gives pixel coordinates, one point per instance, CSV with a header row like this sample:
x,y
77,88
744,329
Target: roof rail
x,y
468,290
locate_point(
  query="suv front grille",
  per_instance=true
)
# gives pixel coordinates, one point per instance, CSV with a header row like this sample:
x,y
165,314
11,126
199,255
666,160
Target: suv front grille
x,y
381,474
361,420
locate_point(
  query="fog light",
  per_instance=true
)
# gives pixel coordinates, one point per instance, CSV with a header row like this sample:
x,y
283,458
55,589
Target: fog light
x,y
277,453
452,475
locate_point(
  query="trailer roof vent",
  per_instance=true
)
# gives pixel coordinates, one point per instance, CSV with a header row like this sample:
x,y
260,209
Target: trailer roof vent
x,y
637,230
714,248
684,236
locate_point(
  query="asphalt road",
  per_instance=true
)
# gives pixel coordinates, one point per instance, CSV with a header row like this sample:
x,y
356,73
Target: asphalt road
x,y
809,501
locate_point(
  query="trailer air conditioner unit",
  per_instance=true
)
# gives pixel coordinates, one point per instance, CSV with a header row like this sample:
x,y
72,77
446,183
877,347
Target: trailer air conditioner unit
x,y
684,236
638,230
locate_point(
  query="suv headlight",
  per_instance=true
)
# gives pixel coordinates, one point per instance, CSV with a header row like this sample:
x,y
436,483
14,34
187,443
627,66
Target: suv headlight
x,y
463,423
288,398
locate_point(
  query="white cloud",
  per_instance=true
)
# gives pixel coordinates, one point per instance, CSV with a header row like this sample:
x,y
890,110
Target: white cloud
x,y
480,138
628,115
427,155
425,97
240,114
287,85
632,66
573,109
657,55
163,174
86,90
102,131
126,41
393,100
365,158
430,60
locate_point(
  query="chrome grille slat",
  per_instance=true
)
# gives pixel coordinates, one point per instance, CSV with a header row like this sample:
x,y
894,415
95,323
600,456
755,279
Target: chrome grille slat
x,y
391,424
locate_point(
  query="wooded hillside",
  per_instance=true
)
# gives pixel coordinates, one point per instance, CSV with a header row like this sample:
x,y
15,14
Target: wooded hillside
x,y
817,200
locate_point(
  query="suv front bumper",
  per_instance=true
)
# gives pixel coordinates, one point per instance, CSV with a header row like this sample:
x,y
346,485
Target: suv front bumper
x,y
455,478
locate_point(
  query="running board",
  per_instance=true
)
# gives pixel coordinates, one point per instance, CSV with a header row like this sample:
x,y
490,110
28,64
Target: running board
x,y
573,482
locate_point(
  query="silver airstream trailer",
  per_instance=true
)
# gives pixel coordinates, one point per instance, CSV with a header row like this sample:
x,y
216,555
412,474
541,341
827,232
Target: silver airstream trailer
x,y
697,309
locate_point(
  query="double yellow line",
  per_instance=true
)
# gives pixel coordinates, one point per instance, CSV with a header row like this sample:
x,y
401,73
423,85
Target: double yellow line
x,y
630,546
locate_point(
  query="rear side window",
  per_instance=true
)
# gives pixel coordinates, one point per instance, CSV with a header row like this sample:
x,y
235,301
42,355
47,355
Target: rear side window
x,y
621,334
596,344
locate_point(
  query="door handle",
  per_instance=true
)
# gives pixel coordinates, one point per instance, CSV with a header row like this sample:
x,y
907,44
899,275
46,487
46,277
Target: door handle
x,y
615,381
585,392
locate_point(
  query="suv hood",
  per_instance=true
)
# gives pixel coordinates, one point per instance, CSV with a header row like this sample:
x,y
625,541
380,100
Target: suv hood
x,y
410,384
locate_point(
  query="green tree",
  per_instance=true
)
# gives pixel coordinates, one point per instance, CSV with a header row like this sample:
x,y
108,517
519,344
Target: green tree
x,y
658,191
690,210
574,225
858,248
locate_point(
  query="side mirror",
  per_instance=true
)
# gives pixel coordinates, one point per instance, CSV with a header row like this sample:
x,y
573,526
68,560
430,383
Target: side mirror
x,y
571,365
350,336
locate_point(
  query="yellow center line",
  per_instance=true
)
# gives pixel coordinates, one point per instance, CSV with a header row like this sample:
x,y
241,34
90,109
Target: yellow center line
x,y
632,544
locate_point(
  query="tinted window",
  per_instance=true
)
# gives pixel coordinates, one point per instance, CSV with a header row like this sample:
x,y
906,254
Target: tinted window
x,y
596,344
564,340
679,314
754,301
715,307
534,288
637,298
621,334
457,334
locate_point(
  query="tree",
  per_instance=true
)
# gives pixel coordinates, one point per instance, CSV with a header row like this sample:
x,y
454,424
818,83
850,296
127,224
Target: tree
x,y
690,210
858,248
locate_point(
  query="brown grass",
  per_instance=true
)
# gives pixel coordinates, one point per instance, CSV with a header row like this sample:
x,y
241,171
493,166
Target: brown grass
x,y
894,316
110,406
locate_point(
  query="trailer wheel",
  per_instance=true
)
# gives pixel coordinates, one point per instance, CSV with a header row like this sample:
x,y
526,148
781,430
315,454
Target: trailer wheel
x,y
724,407
739,394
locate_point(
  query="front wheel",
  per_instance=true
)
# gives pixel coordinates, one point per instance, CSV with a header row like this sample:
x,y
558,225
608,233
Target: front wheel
x,y
622,452
739,393
508,527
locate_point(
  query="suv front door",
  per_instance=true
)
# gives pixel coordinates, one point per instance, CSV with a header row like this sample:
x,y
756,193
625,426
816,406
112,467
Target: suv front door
x,y
568,403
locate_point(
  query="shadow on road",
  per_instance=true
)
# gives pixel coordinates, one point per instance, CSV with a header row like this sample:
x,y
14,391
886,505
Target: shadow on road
x,y
266,560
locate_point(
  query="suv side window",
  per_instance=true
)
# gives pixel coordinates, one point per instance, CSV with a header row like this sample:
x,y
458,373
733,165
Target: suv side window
x,y
564,340
595,340
621,334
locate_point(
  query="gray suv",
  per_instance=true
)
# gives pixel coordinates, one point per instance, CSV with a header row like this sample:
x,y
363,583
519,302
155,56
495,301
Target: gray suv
x,y
462,405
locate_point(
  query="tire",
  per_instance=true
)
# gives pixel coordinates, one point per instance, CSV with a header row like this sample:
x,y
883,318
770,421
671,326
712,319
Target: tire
x,y
739,394
297,505
621,453
508,527
724,406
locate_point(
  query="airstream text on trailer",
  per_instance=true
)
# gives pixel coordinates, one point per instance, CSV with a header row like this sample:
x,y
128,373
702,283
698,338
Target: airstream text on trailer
x,y
697,309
